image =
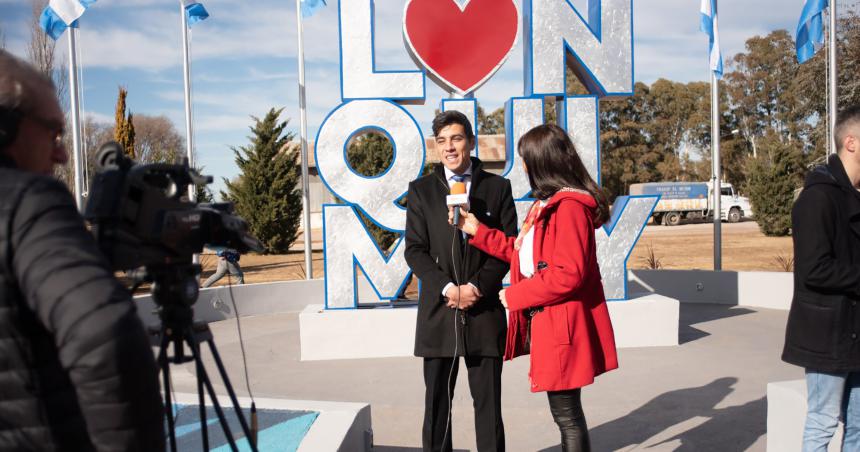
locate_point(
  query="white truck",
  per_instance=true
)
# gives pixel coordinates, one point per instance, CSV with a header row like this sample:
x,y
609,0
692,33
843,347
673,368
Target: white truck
x,y
692,200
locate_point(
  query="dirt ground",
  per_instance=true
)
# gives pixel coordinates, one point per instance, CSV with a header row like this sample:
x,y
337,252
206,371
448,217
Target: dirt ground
x,y
691,246
688,246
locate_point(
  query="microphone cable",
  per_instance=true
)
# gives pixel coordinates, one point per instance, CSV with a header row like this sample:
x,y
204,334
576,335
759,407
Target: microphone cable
x,y
456,358
254,424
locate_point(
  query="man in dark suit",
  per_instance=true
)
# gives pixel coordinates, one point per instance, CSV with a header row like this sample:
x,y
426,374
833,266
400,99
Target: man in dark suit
x,y
459,313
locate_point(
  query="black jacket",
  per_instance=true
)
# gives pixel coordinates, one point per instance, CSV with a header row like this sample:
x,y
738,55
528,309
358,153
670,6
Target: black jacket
x,y
824,321
429,255
76,369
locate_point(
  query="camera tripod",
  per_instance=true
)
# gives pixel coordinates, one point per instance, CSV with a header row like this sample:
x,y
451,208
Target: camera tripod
x,y
174,291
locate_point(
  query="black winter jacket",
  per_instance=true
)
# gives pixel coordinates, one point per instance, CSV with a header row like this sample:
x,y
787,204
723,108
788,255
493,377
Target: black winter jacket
x,y
76,369
823,331
429,254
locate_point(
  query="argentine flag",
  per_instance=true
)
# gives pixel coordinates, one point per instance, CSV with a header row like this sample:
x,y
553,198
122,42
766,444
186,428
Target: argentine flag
x,y
709,26
195,12
62,14
309,7
810,30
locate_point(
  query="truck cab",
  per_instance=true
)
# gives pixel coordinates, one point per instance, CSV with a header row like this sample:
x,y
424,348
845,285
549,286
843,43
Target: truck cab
x,y
733,207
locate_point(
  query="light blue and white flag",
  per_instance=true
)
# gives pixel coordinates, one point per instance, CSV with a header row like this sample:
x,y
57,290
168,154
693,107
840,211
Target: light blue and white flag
x,y
62,14
310,7
810,29
195,12
709,26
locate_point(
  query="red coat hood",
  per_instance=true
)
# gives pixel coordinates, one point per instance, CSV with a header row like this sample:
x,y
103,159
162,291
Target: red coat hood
x,y
580,196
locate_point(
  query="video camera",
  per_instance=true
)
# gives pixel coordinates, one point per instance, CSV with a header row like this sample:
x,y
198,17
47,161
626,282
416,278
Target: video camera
x,y
142,217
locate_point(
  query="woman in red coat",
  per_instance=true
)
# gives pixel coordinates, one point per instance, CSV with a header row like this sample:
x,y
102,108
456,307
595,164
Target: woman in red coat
x,y
558,311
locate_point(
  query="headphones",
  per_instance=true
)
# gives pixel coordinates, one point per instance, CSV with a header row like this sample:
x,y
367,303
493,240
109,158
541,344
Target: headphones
x,y
9,121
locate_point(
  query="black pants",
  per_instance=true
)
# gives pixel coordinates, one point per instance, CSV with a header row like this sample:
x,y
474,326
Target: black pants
x,y
485,384
566,409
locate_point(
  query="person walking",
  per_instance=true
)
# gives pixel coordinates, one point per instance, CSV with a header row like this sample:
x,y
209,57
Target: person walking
x,y
228,262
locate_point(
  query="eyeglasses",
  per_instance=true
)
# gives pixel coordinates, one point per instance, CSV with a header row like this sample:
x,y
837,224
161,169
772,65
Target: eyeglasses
x,y
56,128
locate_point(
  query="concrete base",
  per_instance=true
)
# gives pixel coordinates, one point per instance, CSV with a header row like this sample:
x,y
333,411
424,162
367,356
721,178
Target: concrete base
x,y
771,290
786,414
340,426
647,321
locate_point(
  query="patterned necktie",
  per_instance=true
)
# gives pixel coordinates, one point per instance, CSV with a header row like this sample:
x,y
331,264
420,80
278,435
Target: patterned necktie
x,y
458,178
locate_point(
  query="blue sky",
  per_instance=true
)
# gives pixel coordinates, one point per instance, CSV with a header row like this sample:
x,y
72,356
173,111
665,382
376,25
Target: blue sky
x,y
244,59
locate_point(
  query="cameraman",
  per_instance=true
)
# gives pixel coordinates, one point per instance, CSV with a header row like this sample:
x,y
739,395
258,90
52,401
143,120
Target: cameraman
x,y
76,369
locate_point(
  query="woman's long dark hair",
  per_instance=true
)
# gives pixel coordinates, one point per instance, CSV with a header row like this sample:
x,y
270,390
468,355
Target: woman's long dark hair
x,y
553,163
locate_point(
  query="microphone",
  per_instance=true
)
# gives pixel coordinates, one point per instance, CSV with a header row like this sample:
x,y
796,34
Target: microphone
x,y
457,198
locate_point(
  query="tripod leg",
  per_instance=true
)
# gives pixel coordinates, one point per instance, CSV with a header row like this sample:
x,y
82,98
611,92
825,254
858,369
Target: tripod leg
x,y
231,392
204,431
204,377
168,404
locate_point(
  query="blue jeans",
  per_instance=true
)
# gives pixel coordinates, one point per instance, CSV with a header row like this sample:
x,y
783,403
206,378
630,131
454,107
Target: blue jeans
x,y
829,397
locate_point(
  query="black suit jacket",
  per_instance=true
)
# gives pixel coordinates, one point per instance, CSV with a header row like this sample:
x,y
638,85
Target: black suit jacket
x,y
429,240
823,331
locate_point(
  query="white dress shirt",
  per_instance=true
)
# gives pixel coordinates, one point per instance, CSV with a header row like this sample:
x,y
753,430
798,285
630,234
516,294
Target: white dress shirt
x,y
526,253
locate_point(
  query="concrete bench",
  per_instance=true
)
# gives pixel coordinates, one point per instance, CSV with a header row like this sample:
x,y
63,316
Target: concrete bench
x,y
786,414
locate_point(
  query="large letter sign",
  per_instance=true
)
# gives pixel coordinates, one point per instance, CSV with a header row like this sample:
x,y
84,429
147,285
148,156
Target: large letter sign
x,y
598,49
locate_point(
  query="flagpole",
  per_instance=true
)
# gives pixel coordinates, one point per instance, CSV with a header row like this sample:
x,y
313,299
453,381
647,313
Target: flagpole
x,y
715,157
76,118
834,84
303,118
715,153
186,70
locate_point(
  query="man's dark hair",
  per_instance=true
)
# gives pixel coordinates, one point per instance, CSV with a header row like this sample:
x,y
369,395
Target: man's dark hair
x,y
847,119
447,118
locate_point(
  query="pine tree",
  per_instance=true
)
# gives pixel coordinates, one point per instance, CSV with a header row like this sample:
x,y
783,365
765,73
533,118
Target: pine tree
x,y
773,178
370,154
266,194
123,132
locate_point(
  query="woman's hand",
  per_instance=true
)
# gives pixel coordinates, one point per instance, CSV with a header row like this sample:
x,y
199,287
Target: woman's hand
x,y
502,298
468,222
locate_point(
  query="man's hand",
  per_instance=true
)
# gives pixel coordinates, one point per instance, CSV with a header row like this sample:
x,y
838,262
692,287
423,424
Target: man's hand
x,y
467,295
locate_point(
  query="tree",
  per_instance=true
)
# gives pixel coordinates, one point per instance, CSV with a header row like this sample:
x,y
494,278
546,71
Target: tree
x,y
493,123
762,92
157,140
370,154
41,52
124,126
203,192
810,83
773,178
266,193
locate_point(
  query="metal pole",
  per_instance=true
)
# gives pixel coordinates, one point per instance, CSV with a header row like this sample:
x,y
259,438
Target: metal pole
x,y
715,153
186,70
76,118
189,135
834,87
303,118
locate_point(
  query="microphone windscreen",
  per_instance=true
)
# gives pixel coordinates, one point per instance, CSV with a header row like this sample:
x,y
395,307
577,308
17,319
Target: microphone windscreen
x,y
458,188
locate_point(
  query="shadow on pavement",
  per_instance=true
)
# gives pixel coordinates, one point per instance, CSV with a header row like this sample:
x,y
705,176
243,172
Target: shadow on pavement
x,y
730,428
691,314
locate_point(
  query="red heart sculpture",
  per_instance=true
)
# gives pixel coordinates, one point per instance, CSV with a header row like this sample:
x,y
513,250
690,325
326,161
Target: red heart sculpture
x,y
461,47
